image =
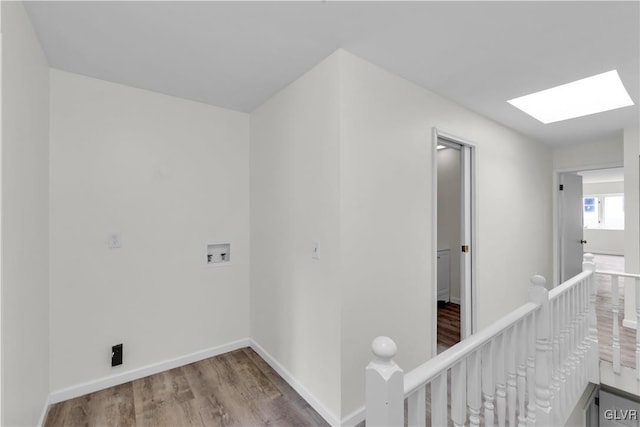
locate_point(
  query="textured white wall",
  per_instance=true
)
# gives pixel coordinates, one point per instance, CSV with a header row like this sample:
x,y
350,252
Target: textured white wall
x,y
386,216
608,151
25,220
295,300
171,176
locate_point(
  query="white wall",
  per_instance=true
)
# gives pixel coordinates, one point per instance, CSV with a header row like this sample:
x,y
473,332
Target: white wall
x,y
170,175
601,241
449,193
386,216
25,216
606,152
295,300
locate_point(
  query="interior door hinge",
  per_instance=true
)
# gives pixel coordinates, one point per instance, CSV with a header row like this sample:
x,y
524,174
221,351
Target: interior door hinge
x,y
465,248
561,187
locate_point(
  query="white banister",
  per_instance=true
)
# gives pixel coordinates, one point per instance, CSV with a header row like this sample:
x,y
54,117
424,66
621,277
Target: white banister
x,y
615,303
539,295
529,367
615,345
384,390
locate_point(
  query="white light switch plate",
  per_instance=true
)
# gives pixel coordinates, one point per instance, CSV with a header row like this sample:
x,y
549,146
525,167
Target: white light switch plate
x,y
315,249
114,240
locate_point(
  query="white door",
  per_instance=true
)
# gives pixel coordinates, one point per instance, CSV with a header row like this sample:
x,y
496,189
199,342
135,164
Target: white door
x,y
466,325
571,227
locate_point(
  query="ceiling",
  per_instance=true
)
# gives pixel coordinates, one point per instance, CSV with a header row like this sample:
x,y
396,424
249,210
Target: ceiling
x,y
238,54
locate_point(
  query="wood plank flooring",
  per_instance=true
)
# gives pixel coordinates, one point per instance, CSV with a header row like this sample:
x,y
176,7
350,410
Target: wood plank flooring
x,y
605,316
448,326
233,389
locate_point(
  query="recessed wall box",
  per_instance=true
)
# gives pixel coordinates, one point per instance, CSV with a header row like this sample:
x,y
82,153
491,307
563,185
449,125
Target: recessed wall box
x,y
218,253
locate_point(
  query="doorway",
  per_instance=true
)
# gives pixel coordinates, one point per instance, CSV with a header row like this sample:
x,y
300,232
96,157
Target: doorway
x,y
454,241
589,216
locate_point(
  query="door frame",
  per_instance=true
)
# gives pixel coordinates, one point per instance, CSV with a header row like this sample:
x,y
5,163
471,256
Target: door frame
x,y
556,209
468,309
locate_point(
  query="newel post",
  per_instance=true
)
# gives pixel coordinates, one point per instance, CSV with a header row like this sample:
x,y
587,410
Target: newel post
x,y
538,294
593,368
385,386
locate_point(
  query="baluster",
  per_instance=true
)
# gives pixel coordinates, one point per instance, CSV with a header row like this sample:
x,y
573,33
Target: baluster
x,y
531,369
488,383
563,371
594,352
474,397
637,285
522,372
573,351
439,400
585,329
615,347
539,294
458,394
555,378
511,376
501,395
384,395
416,405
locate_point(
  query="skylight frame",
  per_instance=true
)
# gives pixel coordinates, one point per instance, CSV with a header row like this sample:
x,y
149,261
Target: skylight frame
x,y
584,97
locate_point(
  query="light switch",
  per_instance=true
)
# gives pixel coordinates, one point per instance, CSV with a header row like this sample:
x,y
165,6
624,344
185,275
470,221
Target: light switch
x,y
315,249
114,240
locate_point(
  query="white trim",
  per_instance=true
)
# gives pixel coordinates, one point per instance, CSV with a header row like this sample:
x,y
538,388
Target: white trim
x,y
45,411
474,241
629,324
455,300
134,374
354,418
313,401
556,209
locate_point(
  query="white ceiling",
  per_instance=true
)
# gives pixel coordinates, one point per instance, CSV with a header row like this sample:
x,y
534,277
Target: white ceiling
x,y
238,54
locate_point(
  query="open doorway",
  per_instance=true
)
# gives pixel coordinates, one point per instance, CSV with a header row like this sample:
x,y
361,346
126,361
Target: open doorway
x,y
590,217
454,243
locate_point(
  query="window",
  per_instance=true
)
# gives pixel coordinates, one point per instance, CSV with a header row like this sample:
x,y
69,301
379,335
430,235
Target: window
x,y
604,212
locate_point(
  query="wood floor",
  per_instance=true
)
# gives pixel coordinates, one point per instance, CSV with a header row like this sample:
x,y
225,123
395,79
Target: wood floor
x,y
233,389
605,317
448,326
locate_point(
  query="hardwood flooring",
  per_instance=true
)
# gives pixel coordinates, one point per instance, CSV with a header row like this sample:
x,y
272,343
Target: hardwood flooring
x,y
448,326
233,389
605,316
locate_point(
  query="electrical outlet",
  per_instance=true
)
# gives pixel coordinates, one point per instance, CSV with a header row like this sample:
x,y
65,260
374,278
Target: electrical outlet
x,y
114,240
116,355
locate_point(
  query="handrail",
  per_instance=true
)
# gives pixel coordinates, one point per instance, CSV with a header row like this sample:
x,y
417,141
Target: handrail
x,y
553,293
427,371
618,274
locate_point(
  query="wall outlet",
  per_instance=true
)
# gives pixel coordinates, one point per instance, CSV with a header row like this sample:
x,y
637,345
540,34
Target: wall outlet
x,y
114,240
116,355
218,253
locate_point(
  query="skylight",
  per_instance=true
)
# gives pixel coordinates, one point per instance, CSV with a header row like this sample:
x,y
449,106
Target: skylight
x,y
602,92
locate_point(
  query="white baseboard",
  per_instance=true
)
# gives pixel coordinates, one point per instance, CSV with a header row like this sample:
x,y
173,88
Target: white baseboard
x,y
629,324
455,300
134,374
315,403
354,418
45,411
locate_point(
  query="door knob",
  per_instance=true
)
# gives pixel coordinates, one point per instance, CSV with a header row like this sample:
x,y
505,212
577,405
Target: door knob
x,y
583,241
